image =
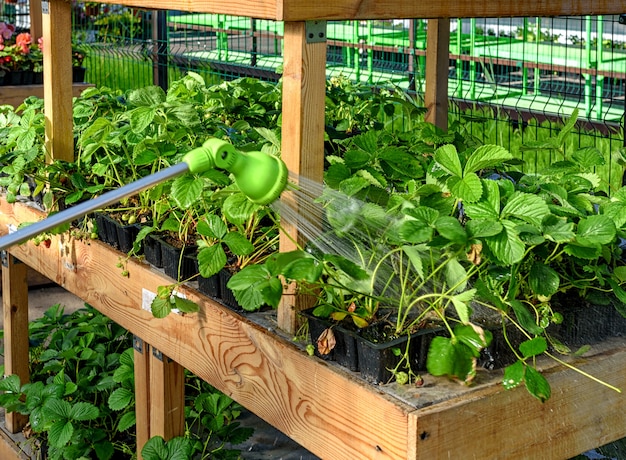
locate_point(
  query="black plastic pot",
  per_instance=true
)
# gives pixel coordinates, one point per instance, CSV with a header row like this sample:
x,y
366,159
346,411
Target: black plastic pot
x,y
345,350
175,266
376,359
107,229
152,250
126,235
210,286
227,298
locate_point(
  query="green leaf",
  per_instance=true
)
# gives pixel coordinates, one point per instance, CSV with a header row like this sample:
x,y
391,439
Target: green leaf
x,y
507,246
11,383
185,305
104,450
238,208
473,337
525,319
486,156
583,252
60,433
448,158
527,207
126,421
306,269
160,307
451,229
594,230
461,304
186,189
141,118
558,230
155,449
481,228
454,359
415,231
212,226
588,157
536,384
120,399
57,408
618,291
211,260
455,274
147,96
83,411
533,347
468,188
414,255
513,375
543,280
238,244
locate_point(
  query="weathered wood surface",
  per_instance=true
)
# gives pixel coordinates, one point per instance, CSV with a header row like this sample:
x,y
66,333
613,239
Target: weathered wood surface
x,y
300,10
438,60
15,95
15,308
325,408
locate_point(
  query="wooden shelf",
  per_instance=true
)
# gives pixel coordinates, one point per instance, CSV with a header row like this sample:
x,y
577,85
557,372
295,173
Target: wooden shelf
x,y
15,95
302,10
325,408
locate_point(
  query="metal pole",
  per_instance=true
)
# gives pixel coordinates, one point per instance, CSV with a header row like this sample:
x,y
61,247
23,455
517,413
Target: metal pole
x,y
86,207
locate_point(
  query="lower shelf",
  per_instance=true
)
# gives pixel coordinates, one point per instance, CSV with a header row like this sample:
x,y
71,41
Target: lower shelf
x,y
327,409
15,95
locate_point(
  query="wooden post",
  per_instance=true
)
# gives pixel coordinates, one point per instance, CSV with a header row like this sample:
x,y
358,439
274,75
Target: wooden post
x,y
142,392
437,62
15,306
36,29
304,89
57,64
167,396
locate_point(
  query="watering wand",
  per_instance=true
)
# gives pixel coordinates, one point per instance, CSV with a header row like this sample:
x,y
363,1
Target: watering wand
x,y
259,176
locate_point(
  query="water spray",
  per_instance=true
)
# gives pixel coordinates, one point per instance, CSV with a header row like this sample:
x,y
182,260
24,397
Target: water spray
x,y
259,176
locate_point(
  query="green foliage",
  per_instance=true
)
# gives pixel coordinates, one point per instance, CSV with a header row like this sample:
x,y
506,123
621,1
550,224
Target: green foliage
x,y
81,398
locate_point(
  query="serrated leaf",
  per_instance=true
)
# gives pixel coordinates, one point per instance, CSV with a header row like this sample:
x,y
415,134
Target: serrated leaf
x,y
448,158
120,399
506,245
160,307
533,347
513,375
60,433
212,226
461,304
524,318
211,260
486,156
593,230
141,118
543,280
536,384
104,450
126,421
185,305
527,207
455,274
238,244
186,189
451,229
469,188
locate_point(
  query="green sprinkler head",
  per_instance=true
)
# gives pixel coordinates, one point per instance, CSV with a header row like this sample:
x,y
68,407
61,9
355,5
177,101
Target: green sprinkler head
x,y
259,176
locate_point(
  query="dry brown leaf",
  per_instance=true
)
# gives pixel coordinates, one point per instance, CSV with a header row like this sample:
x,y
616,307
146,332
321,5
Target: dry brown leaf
x,y
326,342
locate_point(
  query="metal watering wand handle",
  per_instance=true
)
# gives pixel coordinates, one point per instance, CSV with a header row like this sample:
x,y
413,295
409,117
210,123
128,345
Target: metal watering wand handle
x,y
261,177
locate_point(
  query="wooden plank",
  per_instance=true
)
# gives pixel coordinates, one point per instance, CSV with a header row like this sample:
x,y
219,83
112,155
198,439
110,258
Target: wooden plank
x,y
304,89
15,95
15,307
167,396
301,10
9,450
580,415
141,365
437,62
36,26
324,409
57,62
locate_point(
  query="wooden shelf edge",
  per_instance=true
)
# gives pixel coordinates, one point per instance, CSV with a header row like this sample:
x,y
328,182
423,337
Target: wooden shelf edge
x,y
320,406
15,95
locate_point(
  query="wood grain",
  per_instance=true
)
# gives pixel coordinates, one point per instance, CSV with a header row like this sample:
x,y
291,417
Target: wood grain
x,y
57,63
15,95
301,10
324,409
437,62
15,307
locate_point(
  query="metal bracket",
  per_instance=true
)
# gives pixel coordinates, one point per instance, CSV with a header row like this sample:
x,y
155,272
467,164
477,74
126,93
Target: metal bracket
x,y
138,344
45,7
157,354
4,255
315,31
